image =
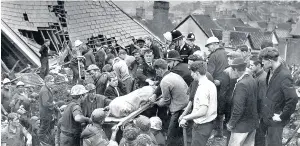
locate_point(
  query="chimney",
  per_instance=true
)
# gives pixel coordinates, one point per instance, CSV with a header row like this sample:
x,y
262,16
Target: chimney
x,y
226,37
140,13
161,12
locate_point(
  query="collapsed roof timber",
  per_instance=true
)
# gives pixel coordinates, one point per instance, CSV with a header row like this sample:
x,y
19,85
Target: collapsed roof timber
x,y
28,23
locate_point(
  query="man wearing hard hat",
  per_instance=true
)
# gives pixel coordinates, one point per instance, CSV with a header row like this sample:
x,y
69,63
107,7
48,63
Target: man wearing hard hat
x,y
72,118
217,63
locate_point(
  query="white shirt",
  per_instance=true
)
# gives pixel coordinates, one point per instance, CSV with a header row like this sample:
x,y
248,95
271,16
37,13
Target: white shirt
x,y
206,94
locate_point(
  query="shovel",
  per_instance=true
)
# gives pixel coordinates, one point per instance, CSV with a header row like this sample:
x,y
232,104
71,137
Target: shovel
x,y
184,137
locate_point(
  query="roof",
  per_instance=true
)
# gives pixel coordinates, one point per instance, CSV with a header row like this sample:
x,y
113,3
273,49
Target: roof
x,y
246,29
204,22
282,33
262,24
238,38
84,19
87,18
229,23
284,26
253,17
258,37
296,29
217,33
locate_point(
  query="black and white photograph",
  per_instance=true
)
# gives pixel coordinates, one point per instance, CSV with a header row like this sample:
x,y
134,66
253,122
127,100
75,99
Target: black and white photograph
x,y
150,73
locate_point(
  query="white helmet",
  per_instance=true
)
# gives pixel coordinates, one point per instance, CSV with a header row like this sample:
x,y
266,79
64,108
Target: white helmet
x,y
78,90
168,36
212,40
5,81
77,43
156,123
20,83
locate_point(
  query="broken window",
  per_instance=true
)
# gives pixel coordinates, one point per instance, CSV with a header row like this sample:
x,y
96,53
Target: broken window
x,y
25,17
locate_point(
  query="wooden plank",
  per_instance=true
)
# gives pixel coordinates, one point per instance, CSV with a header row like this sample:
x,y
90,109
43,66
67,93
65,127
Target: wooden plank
x,y
4,67
54,44
42,35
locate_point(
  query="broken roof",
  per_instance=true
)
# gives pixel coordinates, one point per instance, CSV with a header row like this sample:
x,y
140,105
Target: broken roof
x,y
257,38
229,23
84,19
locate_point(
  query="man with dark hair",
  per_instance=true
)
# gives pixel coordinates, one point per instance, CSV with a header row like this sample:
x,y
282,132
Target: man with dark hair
x,y
44,51
244,116
260,75
204,107
89,57
146,74
46,109
127,58
280,100
174,95
246,53
114,88
154,47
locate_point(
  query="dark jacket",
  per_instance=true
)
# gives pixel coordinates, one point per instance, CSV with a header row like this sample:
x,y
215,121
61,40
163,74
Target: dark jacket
x,y
281,97
262,88
244,115
89,58
156,51
94,135
217,63
228,80
111,92
100,58
88,107
185,52
101,83
45,102
144,72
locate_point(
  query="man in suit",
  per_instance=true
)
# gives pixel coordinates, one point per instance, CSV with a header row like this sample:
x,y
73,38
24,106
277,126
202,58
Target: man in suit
x,y
280,100
244,116
146,73
114,88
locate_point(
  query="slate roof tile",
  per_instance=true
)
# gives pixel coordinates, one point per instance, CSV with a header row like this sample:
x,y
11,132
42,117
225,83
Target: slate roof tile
x,y
229,23
296,30
206,23
246,29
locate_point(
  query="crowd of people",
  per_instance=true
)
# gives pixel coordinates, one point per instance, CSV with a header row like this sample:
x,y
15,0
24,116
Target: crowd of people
x,y
246,98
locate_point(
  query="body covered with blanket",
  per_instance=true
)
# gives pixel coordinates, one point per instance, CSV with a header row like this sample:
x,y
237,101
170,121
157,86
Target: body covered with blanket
x,y
124,105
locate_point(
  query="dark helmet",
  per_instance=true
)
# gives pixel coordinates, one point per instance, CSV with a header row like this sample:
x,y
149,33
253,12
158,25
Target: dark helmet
x,y
176,34
191,36
173,55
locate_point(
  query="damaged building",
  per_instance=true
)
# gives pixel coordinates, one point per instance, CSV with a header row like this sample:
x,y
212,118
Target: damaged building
x,y
26,24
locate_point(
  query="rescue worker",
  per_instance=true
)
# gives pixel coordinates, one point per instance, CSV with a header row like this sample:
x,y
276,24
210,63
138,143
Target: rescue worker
x,y
174,95
93,101
216,64
21,104
44,51
168,43
94,135
6,96
100,80
140,42
72,118
190,39
183,48
77,58
154,47
46,109
14,133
